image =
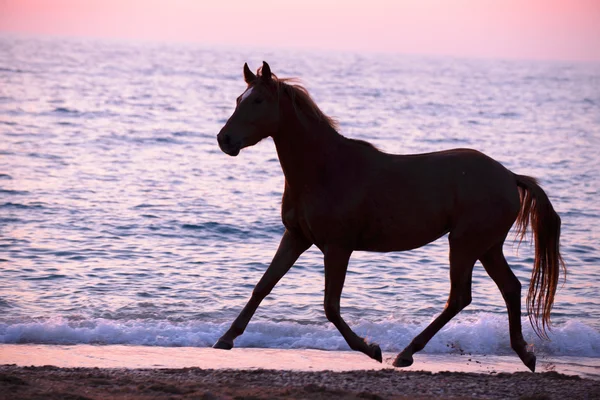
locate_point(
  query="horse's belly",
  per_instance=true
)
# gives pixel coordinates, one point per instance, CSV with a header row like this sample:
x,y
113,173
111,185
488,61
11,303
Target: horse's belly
x,y
398,239
399,231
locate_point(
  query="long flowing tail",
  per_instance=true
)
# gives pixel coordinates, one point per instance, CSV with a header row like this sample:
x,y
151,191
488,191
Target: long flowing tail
x,y
545,222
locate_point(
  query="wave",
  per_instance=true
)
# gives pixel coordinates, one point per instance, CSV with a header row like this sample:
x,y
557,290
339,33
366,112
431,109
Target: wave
x,y
66,110
485,334
15,70
13,192
255,230
21,206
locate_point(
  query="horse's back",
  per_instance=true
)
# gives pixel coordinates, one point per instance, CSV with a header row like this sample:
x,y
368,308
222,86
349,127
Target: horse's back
x,y
464,177
414,199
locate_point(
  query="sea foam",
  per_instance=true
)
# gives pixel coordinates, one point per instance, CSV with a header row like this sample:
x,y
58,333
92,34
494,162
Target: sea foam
x,y
483,334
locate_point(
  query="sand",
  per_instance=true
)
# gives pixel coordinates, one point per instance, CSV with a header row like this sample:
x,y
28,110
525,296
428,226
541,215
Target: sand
x,y
143,372
194,383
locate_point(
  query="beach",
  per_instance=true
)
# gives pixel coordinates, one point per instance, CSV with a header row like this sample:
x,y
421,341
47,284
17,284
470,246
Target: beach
x,y
129,241
102,383
138,372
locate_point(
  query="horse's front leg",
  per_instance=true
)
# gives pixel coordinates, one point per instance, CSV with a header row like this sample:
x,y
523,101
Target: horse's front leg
x,y
336,265
290,248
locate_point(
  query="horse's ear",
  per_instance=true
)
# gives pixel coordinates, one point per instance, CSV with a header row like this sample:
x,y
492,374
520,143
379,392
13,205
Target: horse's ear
x,y
266,72
249,76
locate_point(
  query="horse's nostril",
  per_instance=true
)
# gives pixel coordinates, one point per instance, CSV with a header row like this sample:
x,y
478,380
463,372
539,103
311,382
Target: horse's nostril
x,y
226,139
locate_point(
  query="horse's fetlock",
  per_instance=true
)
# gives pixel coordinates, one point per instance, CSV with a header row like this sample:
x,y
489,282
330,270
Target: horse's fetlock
x,y
234,332
415,347
518,346
356,347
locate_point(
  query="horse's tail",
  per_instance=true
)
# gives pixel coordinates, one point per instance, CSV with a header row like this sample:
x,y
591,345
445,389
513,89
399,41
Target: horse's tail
x,y
545,222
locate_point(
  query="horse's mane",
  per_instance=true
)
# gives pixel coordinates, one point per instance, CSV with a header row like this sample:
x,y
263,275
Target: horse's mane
x,y
301,99
304,104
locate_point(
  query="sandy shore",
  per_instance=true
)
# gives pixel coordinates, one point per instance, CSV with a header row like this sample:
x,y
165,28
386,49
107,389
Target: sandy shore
x,y
49,382
148,372
145,357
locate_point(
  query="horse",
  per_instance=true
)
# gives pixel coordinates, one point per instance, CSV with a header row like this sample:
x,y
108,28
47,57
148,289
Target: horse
x,y
344,195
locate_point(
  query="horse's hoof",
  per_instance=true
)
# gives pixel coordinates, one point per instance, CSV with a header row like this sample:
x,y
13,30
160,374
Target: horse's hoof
x,y
223,345
529,361
402,361
375,352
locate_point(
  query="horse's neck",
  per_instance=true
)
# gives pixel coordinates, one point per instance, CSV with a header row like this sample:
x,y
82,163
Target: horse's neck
x,y
304,149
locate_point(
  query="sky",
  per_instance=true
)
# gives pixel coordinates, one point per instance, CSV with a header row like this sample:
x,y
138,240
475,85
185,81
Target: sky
x,y
523,29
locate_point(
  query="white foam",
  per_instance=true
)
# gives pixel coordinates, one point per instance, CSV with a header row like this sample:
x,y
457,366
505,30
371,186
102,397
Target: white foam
x,y
484,334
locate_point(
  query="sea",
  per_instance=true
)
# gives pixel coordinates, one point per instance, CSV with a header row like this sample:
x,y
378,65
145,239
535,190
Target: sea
x,y
123,223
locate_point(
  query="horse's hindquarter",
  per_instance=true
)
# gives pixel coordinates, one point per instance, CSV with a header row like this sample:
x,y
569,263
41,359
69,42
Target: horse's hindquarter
x,y
413,200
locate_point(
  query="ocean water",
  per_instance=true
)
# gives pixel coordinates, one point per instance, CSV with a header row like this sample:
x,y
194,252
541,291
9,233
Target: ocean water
x,y
121,221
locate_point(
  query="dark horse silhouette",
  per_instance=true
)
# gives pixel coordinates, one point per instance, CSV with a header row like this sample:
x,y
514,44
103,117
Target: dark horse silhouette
x,y
344,195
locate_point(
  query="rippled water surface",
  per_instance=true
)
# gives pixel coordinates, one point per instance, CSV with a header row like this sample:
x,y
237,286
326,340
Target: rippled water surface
x,y
121,221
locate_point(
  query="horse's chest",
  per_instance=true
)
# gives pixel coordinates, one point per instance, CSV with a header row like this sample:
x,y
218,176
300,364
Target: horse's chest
x,y
295,218
303,217
317,220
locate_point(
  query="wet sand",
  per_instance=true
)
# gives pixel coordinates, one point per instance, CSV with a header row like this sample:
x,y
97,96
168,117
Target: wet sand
x,y
142,372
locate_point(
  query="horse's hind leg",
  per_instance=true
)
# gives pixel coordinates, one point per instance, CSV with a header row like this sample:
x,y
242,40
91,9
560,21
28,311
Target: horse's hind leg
x,y
461,271
336,265
498,269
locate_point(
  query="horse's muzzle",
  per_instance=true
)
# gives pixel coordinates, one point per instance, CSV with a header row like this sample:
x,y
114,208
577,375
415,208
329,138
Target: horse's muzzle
x,y
227,145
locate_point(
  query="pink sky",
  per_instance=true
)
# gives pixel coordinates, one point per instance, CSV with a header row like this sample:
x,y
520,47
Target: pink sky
x,y
533,29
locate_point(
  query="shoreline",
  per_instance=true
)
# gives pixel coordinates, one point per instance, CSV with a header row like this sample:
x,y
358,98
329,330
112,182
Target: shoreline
x,y
148,357
50,382
83,372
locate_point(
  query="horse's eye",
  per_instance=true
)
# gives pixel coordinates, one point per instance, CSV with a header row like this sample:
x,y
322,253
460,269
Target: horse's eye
x,y
258,100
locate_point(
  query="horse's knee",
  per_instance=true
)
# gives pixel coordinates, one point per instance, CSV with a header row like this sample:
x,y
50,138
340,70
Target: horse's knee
x,y
468,299
458,303
465,301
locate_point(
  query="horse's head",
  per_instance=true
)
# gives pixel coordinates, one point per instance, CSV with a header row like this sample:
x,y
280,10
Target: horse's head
x,y
256,114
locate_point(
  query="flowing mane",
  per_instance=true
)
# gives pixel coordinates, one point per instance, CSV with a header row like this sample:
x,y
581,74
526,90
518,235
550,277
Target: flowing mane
x,y
301,99
304,105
